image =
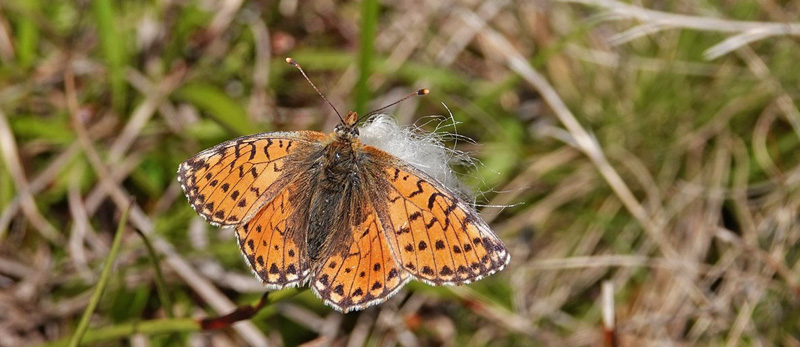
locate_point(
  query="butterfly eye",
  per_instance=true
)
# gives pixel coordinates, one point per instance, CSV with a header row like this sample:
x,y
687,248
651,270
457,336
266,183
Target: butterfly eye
x,y
340,130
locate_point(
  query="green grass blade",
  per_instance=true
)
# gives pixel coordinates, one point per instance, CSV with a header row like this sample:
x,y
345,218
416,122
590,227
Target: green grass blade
x,y
27,36
219,105
163,326
161,286
101,284
114,50
152,327
369,27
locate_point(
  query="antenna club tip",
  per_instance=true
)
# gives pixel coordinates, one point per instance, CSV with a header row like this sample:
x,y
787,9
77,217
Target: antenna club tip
x,y
291,61
423,92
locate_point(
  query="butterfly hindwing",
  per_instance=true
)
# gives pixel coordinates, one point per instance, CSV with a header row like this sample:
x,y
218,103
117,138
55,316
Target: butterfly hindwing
x,y
224,183
437,237
366,274
272,243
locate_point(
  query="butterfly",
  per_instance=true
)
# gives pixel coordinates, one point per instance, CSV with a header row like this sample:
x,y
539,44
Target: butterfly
x,y
349,219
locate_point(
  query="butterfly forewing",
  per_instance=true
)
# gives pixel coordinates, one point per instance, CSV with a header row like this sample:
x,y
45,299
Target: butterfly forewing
x,y
271,242
436,236
224,183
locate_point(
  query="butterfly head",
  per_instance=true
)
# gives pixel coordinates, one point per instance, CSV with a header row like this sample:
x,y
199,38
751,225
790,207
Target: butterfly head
x,y
347,130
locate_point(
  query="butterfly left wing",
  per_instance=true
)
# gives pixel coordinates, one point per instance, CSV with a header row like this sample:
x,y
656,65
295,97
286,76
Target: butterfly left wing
x,y
437,237
227,183
272,242
366,274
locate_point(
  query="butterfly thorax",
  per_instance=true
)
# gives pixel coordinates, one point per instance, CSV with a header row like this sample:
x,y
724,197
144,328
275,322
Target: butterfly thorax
x,y
338,165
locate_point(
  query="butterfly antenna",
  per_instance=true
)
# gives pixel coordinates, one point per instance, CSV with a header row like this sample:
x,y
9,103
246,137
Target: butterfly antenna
x,y
292,62
417,93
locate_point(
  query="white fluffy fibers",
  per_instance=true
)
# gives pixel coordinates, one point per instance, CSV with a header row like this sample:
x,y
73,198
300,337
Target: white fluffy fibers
x,y
421,149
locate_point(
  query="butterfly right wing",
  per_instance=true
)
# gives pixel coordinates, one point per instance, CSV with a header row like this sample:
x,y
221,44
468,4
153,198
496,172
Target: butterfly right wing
x,y
227,183
436,236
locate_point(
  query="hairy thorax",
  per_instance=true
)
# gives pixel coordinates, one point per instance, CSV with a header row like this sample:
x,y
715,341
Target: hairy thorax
x,y
338,165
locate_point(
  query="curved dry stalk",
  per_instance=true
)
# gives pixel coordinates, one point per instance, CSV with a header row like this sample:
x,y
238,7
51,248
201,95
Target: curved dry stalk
x,y
8,146
81,227
261,103
223,16
583,141
142,114
496,313
463,35
745,32
139,220
622,10
783,100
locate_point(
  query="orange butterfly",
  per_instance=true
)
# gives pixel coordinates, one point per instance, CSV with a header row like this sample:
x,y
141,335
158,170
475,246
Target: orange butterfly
x,y
350,219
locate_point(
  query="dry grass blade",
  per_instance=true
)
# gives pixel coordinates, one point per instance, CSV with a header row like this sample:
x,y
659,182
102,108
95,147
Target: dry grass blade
x,y
621,9
589,146
648,145
36,185
141,222
607,306
27,202
655,21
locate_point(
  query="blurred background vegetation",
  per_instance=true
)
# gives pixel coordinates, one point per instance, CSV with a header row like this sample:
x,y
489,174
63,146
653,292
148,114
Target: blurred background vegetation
x,y
651,147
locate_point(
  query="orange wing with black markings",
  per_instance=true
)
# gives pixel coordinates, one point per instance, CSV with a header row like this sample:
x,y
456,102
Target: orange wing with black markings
x,y
227,183
355,221
272,243
366,274
436,236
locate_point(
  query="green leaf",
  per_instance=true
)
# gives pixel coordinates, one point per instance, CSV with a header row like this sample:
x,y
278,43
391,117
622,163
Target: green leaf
x,y
27,35
228,112
53,129
369,25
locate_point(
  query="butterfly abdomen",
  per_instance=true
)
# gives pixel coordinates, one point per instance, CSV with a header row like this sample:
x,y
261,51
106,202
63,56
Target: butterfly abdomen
x,y
331,210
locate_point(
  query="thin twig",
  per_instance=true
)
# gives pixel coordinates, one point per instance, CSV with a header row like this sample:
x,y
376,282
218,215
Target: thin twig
x,y
8,146
609,319
654,21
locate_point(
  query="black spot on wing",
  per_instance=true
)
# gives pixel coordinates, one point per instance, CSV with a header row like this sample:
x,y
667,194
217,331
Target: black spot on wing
x,y
446,271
